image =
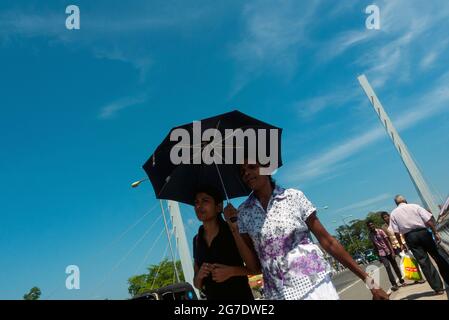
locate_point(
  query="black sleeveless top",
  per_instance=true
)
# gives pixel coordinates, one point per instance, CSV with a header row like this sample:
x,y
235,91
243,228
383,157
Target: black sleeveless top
x,y
222,250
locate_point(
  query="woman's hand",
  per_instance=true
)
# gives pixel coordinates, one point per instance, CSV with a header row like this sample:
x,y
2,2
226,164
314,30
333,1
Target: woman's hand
x,y
204,271
379,294
231,215
221,272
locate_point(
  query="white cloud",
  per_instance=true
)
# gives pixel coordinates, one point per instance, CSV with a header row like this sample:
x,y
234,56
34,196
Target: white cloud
x,y
410,29
432,54
428,60
414,28
365,204
111,21
309,107
273,35
141,63
430,104
111,110
277,35
343,42
334,158
113,34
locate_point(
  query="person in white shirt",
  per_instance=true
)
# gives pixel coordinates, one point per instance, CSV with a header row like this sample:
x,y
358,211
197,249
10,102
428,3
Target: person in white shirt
x,y
412,221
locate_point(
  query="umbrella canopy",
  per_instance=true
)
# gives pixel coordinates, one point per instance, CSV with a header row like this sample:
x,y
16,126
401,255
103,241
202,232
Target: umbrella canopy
x,y
178,166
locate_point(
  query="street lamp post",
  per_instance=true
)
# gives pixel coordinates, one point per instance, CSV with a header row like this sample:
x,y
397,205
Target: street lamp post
x,y
347,229
169,242
350,237
135,185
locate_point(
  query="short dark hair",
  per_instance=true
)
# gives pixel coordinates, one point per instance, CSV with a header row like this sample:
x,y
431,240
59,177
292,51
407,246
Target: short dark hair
x,y
384,213
211,191
368,222
270,177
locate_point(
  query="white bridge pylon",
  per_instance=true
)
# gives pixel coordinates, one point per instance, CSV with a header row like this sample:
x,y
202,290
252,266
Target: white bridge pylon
x,y
416,176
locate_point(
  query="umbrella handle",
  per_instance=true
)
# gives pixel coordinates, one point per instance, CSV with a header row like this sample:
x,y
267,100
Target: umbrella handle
x,y
232,219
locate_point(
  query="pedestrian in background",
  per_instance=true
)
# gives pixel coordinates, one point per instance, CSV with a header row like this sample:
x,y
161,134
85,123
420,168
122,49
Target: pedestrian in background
x,y
389,232
412,221
386,253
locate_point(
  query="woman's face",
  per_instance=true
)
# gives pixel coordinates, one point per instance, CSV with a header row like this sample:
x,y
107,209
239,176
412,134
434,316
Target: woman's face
x,y
205,207
251,177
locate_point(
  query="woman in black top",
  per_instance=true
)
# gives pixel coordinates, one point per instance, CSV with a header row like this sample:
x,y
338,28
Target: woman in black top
x,y
219,269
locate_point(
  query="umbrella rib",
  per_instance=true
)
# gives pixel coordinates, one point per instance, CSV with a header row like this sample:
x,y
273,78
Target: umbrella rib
x,y
229,146
163,187
199,145
230,135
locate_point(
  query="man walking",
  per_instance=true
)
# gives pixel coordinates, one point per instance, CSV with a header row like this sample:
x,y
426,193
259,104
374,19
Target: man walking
x,y
385,252
412,221
391,236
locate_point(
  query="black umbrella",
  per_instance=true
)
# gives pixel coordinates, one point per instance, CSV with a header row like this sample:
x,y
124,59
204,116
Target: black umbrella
x,y
179,181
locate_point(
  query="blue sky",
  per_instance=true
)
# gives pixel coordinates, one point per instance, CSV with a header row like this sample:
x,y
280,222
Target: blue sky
x,y
81,110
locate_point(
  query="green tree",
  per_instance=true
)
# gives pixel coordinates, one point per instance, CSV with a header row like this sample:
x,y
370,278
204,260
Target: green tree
x,y
34,294
355,236
159,275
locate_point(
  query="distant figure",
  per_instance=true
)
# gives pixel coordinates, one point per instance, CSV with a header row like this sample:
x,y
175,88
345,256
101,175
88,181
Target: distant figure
x,y
386,253
391,236
412,221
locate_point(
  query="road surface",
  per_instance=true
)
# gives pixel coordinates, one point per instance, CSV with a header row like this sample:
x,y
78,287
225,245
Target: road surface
x,y
350,287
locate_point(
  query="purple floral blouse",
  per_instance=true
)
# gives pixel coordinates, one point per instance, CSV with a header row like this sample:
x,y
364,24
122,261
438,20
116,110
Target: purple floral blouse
x,y
292,264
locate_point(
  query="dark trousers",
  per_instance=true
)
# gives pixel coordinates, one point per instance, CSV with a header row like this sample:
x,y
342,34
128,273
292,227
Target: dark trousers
x,y
421,244
388,262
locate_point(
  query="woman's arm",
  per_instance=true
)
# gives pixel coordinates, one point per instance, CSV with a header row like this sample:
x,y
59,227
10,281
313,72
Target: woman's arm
x,y
200,274
335,249
243,241
247,252
223,272
197,282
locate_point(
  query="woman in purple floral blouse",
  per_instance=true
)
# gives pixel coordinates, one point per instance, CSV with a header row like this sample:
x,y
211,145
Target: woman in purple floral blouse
x,y
272,233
